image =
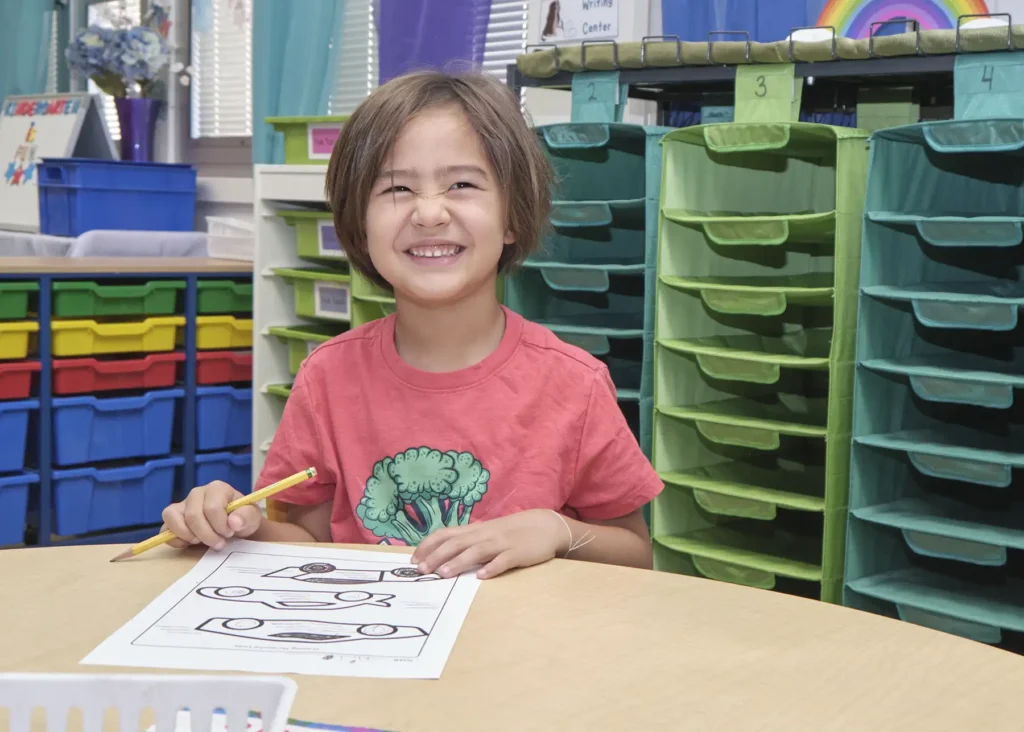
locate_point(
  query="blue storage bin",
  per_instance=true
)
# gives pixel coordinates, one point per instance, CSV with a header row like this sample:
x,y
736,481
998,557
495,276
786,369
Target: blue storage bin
x,y
87,429
14,506
97,499
234,468
223,417
14,421
77,195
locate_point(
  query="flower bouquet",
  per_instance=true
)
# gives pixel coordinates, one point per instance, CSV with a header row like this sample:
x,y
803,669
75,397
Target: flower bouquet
x,y
126,63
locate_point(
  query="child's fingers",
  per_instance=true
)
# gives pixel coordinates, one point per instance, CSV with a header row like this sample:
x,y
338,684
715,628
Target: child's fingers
x,y
245,521
195,517
499,565
471,556
429,545
444,551
216,498
174,520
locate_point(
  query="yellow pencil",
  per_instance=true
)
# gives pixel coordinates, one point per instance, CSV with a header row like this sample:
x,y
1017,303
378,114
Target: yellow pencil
x,y
165,536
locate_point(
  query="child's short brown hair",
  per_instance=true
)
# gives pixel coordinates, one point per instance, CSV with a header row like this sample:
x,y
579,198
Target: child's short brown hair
x,y
512,147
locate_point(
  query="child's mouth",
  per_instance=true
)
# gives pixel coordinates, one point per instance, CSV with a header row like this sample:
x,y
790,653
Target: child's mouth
x,y
435,254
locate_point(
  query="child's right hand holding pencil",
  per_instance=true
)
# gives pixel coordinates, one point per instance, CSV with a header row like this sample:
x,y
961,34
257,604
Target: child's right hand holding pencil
x,y
202,518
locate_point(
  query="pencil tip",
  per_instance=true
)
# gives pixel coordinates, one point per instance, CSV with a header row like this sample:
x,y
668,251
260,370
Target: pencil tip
x,y
123,555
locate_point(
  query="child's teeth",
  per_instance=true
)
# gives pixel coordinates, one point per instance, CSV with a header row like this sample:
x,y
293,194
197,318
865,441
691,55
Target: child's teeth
x,y
434,251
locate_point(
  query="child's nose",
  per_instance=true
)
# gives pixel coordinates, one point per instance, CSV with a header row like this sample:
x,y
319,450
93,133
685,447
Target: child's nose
x,y
430,211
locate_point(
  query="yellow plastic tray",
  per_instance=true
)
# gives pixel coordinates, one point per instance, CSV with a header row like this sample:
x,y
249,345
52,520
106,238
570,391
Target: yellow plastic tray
x,y
217,332
14,339
87,337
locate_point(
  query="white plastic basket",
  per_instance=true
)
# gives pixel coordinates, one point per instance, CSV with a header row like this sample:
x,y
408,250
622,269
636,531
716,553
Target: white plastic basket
x,y
230,238
162,696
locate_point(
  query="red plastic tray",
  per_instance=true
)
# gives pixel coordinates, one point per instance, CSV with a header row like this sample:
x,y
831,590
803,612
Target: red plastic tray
x,y
223,367
16,379
87,375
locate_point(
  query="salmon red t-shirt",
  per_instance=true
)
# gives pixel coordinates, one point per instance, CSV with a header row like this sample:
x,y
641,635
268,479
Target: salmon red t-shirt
x,y
403,452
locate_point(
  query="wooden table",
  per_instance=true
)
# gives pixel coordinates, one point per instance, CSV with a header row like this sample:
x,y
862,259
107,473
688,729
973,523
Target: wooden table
x,y
575,646
121,265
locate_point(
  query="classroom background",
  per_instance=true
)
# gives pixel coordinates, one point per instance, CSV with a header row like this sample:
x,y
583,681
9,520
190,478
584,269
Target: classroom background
x,y
792,229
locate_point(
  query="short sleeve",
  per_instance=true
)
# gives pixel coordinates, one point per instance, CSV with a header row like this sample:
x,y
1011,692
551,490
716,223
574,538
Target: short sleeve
x,y
613,476
297,446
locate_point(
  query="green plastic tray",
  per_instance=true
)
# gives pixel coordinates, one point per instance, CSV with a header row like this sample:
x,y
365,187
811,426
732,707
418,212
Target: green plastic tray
x,y
280,390
308,140
14,299
91,299
315,238
302,339
320,294
224,296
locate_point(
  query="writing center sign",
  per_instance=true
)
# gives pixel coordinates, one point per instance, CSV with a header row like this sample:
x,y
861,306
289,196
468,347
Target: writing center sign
x,y
579,20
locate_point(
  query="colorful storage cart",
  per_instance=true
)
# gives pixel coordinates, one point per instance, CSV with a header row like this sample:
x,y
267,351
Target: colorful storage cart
x,y
757,278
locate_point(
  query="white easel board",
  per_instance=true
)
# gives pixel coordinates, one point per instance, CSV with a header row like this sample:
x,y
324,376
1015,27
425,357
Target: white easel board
x,y
38,126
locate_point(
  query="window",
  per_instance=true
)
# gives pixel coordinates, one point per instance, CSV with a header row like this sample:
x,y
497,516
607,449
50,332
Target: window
x,y
357,58
222,69
56,55
112,14
506,35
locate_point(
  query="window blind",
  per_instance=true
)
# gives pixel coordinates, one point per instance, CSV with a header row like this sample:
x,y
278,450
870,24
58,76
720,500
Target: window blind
x,y
221,81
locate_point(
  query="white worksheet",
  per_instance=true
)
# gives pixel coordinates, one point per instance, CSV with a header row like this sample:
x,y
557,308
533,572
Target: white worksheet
x,y
278,608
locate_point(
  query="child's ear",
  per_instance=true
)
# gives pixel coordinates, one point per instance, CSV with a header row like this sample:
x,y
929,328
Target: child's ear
x,y
510,238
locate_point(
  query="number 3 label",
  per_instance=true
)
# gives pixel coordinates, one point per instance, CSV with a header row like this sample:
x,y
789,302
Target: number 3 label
x,y
761,89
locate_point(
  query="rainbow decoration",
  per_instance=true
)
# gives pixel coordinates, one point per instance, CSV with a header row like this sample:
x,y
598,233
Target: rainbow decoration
x,y
853,18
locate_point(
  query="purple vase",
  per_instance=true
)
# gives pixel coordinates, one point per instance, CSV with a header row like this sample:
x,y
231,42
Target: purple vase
x,y
137,117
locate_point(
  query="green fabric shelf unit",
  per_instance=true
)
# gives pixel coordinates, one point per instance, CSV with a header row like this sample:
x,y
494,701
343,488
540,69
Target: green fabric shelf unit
x,y
936,521
593,281
758,260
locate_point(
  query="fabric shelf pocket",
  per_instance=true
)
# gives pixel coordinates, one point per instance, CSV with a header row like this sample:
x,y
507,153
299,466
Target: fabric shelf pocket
x,y
964,232
233,468
92,299
17,340
98,499
222,332
223,367
588,233
14,502
302,340
14,299
223,297
959,378
88,429
596,161
16,379
87,375
979,305
982,603
14,426
315,238
89,337
320,294
945,169
223,417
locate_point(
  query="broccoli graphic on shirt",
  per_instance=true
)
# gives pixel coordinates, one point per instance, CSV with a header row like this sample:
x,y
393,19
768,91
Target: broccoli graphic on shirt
x,y
419,491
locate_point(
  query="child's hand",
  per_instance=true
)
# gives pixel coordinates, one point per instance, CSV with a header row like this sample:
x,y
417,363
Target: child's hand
x,y
520,540
202,519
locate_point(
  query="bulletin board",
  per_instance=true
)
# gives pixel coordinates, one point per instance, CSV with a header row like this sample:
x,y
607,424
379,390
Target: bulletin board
x,y
40,126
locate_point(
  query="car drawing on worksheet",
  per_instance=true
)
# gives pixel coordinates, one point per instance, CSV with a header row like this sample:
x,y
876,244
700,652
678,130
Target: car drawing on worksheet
x,y
328,574
307,631
297,599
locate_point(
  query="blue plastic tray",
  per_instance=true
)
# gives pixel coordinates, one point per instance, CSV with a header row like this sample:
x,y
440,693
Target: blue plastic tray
x,y
76,196
14,421
234,468
14,506
96,499
223,417
87,429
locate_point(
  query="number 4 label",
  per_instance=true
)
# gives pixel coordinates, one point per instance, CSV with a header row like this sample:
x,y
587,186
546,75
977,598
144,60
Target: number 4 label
x,y
331,301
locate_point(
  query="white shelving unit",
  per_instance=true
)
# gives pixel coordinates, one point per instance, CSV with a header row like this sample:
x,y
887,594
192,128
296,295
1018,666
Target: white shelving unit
x,y
277,188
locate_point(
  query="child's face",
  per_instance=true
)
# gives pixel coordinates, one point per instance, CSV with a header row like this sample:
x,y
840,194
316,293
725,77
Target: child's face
x,y
435,223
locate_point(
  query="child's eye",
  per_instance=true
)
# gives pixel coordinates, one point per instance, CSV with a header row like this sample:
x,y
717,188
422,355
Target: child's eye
x,y
394,189
463,185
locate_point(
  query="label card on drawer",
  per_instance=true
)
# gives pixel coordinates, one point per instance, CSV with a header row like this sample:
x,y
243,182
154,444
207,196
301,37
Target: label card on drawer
x,y
321,139
327,241
988,85
331,301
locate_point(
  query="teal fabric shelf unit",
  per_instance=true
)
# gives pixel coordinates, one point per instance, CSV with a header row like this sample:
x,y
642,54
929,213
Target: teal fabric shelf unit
x,y
936,524
593,281
758,259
